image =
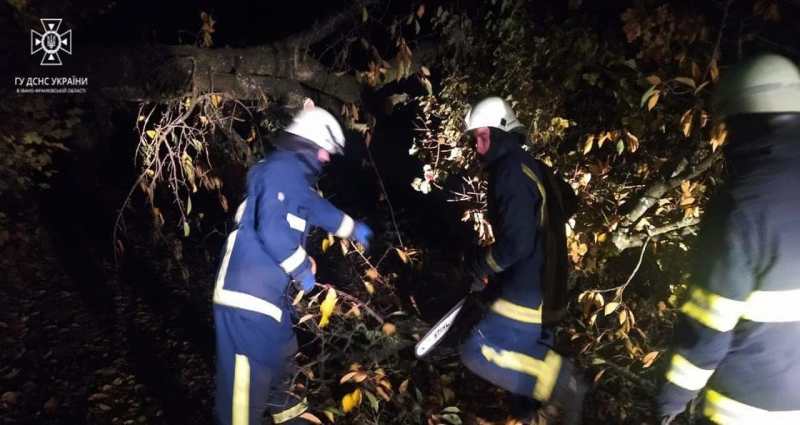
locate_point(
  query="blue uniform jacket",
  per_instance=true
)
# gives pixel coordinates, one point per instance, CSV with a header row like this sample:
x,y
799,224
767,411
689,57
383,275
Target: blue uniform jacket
x,y
267,247
528,206
738,339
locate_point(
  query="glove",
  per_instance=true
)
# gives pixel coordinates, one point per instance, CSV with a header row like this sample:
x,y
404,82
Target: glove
x,y
305,280
362,234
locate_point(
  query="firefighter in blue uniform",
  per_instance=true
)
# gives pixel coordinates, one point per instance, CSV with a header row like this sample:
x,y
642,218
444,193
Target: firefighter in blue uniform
x,y
738,340
528,207
265,252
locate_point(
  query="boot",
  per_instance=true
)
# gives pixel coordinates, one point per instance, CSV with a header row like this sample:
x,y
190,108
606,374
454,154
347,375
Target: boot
x,y
566,402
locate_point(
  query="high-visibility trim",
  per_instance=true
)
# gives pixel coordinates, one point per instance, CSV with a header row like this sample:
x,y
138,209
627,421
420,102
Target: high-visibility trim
x,y
492,262
545,371
686,375
241,300
531,175
241,391
715,311
773,306
724,410
346,228
296,222
291,413
517,312
294,261
240,211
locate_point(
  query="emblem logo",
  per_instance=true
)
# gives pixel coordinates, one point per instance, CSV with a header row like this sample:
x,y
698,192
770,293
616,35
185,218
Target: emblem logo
x,y
51,42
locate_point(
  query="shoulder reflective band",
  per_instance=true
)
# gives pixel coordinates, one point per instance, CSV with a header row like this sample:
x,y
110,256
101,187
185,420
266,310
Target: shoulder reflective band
x,y
294,261
345,229
686,375
773,306
517,312
241,300
715,311
545,371
240,411
531,175
291,413
296,222
724,410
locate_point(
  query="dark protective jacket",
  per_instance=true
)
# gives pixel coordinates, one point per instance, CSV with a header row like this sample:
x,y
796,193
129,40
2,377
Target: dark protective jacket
x,y
528,207
738,339
267,247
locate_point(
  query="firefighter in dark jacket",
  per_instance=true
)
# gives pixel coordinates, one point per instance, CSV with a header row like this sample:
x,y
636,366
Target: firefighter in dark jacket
x,y
738,340
528,207
263,254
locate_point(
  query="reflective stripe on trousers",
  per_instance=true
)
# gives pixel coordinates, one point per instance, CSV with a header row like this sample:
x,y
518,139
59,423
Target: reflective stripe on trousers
x,y
727,411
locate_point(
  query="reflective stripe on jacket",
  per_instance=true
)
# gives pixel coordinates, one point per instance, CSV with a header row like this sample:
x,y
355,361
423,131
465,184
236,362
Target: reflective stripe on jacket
x,y
267,247
528,207
739,332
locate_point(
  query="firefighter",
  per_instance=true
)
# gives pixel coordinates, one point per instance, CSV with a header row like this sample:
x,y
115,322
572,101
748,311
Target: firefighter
x,y
262,255
736,343
528,207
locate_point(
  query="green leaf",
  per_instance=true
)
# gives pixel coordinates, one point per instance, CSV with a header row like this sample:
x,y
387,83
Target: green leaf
x,y
151,134
410,19
186,229
620,147
451,409
189,205
32,137
418,393
428,87
416,26
452,419
372,400
647,95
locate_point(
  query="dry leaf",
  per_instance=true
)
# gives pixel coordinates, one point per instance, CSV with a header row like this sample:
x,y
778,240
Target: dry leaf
x,y
686,122
649,359
329,415
403,387
605,136
402,255
327,306
104,407
653,100
686,81
360,377
654,80
298,297
381,392
599,375
587,145
305,318
425,71
610,308
718,136
351,401
388,329
633,142
370,288
696,72
364,14
347,377
712,67
311,418
215,99
372,274
421,11
623,316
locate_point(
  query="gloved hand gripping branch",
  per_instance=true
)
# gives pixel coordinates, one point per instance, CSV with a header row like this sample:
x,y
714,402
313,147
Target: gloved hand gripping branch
x,y
362,234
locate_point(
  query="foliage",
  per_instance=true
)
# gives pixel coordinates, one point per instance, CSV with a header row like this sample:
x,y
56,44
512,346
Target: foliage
x,y
31,136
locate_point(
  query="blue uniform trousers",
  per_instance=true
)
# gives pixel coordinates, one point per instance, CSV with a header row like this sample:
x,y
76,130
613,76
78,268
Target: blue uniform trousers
x,y
255,368
515,358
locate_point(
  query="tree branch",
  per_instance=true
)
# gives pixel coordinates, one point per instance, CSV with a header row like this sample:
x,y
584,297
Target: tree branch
x,y
633,241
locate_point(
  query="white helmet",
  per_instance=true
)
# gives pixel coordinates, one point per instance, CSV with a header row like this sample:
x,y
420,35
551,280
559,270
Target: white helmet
x,y
318,126
492,112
